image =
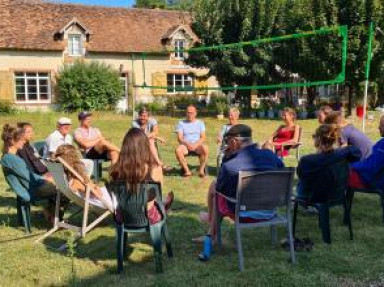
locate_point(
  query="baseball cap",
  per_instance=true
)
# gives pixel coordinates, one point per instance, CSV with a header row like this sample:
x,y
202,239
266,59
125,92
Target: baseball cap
x,y
84,114
64,121
239,130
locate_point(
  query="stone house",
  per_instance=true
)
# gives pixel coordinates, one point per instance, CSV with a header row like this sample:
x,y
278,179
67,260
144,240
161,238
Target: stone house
x,y
37,39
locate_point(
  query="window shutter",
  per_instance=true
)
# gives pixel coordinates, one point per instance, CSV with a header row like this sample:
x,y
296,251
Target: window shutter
x,y
201,83
159,79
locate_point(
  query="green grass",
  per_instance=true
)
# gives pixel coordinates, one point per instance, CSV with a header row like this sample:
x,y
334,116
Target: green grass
x,y
344,263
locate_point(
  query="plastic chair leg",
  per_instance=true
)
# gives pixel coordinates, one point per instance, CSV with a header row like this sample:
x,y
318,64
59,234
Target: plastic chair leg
x,y
96,176
273,235
125,242
120,247
382,204
295,207
26,215
19,212
239,248
324,223
167,240
291,242
155,233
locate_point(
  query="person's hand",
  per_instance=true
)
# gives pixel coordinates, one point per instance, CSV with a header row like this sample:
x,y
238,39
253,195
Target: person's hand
x,y
193,147
48,177
219,140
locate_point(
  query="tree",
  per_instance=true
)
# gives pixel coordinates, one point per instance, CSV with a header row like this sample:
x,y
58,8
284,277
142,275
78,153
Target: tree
x,y
151,4
230,21
88,86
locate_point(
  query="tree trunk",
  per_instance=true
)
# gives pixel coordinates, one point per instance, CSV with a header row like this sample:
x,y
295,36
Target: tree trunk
x,y
311,94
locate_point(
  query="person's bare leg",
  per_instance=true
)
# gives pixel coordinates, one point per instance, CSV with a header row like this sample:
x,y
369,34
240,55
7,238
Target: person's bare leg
x,y
202,151
108,145
180,152
157,174
153,149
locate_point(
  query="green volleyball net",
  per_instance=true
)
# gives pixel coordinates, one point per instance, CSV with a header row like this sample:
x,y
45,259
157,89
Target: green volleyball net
x,y
304,59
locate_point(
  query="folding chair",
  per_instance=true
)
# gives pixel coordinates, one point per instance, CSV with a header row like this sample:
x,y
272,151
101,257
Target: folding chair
x,y
58,174
131,217
266,190
296,146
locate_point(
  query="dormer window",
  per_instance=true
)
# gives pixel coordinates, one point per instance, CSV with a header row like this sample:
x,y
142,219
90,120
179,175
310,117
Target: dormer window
x,y
74,45
180,45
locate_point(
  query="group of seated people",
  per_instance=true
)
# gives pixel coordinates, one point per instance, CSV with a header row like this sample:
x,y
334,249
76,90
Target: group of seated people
x,y
137,160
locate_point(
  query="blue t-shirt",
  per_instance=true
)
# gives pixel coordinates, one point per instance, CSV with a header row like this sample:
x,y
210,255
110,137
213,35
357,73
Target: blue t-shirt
x,y
369,168
191,130
353,136
247,159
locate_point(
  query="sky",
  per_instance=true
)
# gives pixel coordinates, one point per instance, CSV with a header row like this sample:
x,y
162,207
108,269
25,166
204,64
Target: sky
x,y
113,3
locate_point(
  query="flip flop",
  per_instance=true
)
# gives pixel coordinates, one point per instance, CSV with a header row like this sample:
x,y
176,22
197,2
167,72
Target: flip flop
x,y
186,175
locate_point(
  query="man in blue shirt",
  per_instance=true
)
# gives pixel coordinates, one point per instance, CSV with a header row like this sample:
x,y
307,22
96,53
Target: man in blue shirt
x,y
244,156
191,137
369,169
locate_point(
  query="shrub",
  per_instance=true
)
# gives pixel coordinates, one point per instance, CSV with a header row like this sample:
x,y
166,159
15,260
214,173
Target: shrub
x,y
88,86
6,108
182,101
218,104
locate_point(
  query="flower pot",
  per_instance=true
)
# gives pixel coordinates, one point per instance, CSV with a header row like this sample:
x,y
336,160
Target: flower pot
x,y
261,114
270,114
279,114
220,117
360,111
253,115
303,114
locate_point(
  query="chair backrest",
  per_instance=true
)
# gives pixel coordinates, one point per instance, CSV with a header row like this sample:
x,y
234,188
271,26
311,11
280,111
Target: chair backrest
x,y
57,171
39,146
132,206
330,183
300,134
265,190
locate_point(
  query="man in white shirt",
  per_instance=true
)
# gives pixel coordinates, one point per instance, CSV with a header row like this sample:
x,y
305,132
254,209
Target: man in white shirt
x,y
61,136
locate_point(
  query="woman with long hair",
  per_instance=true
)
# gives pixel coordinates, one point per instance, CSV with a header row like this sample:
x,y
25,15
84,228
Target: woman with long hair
x,y
137,165
312,168
99,195
30,184
350,135
286,135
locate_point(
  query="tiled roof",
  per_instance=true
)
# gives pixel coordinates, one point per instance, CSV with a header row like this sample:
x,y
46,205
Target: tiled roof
x,y
27,26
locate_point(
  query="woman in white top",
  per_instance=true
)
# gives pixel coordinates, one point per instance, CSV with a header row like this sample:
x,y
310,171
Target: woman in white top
x,y
234,115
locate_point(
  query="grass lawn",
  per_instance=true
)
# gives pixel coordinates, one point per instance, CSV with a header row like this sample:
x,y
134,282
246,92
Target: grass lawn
x,y
344,263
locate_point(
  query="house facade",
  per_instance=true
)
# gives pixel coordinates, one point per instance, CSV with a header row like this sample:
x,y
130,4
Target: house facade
x,y
145,46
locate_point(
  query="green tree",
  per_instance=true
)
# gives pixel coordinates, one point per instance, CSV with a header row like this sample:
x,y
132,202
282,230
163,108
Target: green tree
x,y
151,4
88,86
230,21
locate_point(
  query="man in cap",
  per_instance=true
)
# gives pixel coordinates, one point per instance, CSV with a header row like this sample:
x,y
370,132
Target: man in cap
x,y
242,155
59,137
62,136
92,141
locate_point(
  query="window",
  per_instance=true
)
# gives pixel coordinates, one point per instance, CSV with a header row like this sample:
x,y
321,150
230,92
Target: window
x,y
74,45
179,83
124,84
179,49
32,87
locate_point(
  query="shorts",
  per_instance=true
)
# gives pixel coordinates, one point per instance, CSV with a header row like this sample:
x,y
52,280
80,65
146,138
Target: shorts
x,y
224,210
93,154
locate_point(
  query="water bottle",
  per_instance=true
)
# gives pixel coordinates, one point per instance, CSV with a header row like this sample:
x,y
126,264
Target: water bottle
x,y
204,256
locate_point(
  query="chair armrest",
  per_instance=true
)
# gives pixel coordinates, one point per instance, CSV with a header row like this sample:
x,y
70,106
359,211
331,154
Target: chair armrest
x,y
230,199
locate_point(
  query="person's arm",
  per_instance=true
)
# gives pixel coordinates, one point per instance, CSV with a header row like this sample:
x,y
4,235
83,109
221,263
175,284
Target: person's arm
x,y
80,187
154,133
86,143
272,137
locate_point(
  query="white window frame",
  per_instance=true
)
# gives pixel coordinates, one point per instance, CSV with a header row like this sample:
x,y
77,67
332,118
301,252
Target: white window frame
x,y
71,48
36,77
184,78
123,78
179,49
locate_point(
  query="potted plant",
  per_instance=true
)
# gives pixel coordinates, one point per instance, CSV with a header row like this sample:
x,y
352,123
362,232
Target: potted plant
x,y
279,110
302,112
220,107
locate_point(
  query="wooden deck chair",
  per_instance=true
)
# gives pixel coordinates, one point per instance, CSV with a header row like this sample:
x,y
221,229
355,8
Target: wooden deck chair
x,y
57,171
